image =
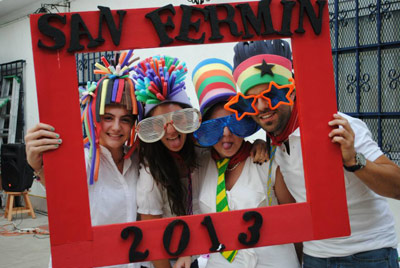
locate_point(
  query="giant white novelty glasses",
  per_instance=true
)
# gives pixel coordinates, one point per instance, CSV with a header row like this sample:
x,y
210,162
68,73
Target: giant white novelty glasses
x,y
152,129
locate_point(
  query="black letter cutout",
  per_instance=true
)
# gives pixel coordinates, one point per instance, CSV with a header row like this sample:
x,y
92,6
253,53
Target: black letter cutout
x,y
183,242
186,24
254,229
286,17
215,21
138,235
161,28
76,24
57,35
216,245
316,23
263,15
105,13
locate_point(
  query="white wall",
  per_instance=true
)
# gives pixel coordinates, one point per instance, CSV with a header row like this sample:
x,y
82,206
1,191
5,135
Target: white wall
x,y
15,44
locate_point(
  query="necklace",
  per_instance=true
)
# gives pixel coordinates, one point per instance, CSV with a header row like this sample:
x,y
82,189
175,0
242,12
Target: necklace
x,y
234,167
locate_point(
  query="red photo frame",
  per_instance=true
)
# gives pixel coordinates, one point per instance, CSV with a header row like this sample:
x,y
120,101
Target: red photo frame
x,y
76,243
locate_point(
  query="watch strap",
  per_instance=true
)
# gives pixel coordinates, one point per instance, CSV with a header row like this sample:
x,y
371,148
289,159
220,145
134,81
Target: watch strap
x,y
360,163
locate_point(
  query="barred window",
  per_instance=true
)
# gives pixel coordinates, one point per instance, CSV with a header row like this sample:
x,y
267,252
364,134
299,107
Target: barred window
x,y
366,57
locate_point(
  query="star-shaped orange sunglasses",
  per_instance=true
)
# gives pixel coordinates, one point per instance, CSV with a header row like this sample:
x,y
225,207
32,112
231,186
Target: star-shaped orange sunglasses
x,y
276,95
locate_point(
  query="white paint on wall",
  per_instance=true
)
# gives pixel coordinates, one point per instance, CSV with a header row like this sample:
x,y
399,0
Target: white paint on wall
x,y
16,44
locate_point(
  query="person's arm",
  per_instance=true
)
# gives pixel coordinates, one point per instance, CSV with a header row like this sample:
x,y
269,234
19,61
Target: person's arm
x,y
183,262
281,191
39,139
382,175
157,263
299,251
259,152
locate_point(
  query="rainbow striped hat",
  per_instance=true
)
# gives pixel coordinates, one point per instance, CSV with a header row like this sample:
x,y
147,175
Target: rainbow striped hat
x,y
262,69
213,82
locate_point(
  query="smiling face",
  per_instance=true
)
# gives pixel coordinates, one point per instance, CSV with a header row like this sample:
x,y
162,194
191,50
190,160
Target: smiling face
x,y
229,144
172,139
272,121
116,125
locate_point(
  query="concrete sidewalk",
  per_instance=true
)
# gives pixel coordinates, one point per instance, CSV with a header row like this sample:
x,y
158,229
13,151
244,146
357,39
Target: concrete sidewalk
x,y
20,249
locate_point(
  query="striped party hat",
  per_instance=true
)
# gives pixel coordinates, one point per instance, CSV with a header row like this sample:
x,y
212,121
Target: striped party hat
x,y
261,69
213,82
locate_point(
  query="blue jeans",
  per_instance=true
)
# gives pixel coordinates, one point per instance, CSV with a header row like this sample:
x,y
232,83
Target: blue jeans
x,y
379,258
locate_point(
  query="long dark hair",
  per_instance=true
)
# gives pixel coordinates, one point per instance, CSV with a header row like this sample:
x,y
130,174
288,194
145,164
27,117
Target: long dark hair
x,y
166,172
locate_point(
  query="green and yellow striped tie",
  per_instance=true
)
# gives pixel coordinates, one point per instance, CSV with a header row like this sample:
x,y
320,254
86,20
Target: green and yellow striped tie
x,y
222,200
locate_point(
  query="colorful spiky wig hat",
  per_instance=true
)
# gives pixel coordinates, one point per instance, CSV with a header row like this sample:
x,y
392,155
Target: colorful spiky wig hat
x,y
115,87
160,79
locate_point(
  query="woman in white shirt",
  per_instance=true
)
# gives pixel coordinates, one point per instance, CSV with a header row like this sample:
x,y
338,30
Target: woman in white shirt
x,y
228,178
168,181
112,168
247,185
167,185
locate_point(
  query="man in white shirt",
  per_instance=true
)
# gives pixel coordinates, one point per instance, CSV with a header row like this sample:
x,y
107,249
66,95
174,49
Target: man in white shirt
x,y
369,174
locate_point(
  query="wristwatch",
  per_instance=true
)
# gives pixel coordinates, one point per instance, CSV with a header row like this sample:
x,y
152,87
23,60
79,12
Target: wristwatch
x,y
360,163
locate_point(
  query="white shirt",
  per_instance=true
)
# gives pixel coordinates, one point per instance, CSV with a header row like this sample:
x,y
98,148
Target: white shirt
x,y
249,191
152,198
371,221
112,198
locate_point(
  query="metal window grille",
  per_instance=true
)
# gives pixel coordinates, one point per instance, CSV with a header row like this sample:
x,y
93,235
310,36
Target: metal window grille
x,y
85,65
16,68
365,41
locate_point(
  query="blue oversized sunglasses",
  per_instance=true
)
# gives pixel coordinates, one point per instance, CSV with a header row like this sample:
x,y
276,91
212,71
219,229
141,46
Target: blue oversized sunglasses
x,y
211,131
